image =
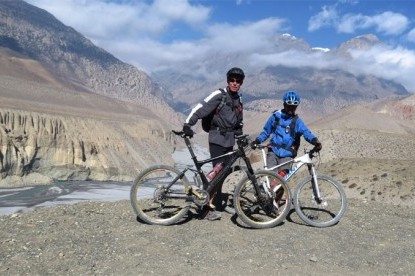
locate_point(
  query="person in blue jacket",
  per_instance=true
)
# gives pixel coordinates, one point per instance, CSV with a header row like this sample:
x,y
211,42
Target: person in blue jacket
x,y
286,129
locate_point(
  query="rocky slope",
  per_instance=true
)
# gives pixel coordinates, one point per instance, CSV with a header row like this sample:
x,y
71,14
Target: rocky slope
x,y
73,60
51,133
69,110
41,147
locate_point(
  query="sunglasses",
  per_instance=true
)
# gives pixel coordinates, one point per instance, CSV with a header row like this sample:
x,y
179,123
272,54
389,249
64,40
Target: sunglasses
x,y
239,81
295,103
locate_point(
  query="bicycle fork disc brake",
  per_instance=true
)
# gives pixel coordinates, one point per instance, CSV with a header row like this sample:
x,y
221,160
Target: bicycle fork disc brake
x,y
264,197
317,197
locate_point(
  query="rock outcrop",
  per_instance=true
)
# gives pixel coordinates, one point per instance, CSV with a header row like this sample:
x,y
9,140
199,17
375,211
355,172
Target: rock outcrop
x,y
53,147
68,109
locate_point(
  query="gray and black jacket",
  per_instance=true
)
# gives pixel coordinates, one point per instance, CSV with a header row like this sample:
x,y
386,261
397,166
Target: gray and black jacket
x,y
225,122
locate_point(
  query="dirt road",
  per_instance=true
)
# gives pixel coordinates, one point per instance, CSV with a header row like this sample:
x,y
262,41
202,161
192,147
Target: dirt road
x,y
92,238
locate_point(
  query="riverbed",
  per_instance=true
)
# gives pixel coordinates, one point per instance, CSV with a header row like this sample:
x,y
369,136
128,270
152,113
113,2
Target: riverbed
x,y
19,200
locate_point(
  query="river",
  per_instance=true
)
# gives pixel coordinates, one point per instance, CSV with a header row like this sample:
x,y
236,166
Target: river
x,y
16,200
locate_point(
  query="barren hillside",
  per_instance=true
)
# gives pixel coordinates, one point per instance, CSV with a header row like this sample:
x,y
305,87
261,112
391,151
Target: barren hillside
x,y
49,131
369,148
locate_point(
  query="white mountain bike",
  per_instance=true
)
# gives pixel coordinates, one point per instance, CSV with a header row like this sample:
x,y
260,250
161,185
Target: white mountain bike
x,y
319,200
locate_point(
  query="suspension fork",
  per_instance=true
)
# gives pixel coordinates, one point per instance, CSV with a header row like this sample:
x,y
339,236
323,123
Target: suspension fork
x,y
314,183
251,175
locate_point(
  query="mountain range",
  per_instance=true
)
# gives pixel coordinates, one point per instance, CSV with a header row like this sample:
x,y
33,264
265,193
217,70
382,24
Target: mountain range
x,y
71,110
71,58
329,89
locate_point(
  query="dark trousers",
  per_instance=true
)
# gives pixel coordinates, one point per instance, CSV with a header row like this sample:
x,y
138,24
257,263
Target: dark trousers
x,y
217,150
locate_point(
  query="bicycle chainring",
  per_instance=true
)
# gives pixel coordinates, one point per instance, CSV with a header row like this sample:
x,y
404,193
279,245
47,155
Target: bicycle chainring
x,y
203,200
266,203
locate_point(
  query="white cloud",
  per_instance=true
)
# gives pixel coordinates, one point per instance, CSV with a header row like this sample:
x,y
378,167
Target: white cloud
x,y
384,59
396,64
291,58
250,36
135,31
179,10
326,18
98,19
388,23
411,35
152,55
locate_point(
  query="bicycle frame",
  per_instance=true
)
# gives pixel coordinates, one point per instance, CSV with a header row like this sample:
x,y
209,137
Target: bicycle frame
x,y
232,156
298,162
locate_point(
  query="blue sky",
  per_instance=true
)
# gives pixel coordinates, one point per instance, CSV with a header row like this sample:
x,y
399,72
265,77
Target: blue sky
x,y
154,35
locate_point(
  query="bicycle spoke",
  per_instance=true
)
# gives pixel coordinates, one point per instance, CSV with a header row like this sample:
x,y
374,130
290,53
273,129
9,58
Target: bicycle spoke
x,y
324,211
259,210
153,202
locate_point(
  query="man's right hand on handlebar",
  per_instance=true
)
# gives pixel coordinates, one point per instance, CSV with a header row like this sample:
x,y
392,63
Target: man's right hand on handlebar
x,y
188,131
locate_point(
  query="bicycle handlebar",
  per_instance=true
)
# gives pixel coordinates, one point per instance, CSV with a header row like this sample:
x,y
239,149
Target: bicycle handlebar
x,y
310,152
242,140
260,146
178,132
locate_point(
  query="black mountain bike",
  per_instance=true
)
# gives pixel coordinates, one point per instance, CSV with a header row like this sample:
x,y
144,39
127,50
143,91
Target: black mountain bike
x,y
163,195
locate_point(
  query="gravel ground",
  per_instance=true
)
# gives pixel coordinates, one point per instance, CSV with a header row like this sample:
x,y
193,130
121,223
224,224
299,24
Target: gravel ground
x,y
104,238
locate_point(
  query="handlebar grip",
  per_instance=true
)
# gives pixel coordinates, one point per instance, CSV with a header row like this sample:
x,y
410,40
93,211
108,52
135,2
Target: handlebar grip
x,y
312,151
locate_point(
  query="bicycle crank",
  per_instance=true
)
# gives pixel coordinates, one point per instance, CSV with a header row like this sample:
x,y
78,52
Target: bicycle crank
x,y
200,197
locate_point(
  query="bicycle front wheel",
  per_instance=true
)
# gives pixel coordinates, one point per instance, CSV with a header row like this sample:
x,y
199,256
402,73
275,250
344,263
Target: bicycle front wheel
x,y
264,208
155,203
324,211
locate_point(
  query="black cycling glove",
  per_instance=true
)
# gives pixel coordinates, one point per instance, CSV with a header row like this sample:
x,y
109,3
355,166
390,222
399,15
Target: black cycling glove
x,y
238,132
255,143
188,131
317,145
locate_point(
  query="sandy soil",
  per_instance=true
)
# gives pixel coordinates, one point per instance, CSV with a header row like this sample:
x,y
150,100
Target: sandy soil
x,y
375,237
105,238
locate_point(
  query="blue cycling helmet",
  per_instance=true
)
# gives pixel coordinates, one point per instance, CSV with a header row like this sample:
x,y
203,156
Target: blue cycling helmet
x,y
291,98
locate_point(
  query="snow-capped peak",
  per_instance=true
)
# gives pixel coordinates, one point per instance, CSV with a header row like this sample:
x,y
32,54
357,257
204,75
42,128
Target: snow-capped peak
x,y
286,35
321,49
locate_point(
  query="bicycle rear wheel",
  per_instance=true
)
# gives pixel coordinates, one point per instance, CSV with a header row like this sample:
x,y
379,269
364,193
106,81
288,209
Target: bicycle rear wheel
x,y
266,209
323,212
153,203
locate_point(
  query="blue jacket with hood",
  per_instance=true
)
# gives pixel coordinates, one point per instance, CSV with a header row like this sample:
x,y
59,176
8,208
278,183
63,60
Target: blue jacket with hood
x,y
283,141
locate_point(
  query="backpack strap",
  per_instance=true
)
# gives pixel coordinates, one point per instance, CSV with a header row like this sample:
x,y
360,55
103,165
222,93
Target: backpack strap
x,y
296,138
223,102
220,106
277,122
292,125
216,111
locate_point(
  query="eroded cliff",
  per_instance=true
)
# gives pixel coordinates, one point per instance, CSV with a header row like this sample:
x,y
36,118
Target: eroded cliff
x,y
38,148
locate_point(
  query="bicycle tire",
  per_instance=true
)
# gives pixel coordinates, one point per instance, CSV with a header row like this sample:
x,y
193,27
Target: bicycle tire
x,y
149,200
261,211
326,213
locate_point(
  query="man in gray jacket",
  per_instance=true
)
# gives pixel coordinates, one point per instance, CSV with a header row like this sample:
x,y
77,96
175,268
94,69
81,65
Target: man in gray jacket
x,y
226,123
